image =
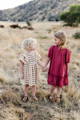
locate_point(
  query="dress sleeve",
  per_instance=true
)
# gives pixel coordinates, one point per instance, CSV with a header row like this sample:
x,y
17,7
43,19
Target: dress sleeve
x,y
22,58
68,56
50,52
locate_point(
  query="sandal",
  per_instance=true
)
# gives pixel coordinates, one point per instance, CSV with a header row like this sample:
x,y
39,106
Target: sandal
x,y
25,99
50,98
58,98
35,98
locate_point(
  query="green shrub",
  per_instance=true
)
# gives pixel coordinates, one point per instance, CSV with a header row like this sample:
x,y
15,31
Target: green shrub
x,y
72,16
77,35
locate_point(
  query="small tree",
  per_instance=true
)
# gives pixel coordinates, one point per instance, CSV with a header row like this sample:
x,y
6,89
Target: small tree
x,y
71,17
28,23
77,35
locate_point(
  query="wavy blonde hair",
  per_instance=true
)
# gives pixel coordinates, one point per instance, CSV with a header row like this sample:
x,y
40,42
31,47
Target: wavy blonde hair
x,y
61,36
29,42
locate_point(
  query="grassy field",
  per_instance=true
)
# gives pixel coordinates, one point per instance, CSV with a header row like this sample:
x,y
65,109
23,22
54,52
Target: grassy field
x,y
11,105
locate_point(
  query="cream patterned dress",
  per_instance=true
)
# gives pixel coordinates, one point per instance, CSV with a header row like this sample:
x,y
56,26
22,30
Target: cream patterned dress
x,y
31,61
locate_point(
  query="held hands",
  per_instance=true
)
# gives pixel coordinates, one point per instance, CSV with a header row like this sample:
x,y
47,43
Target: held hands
x,y
46,65
45,69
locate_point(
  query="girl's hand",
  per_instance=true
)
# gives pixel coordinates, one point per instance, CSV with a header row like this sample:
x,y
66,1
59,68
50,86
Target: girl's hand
x,y
45,69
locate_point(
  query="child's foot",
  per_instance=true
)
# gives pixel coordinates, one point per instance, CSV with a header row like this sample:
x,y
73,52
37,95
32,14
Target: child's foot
x,y
51,98
54,98
25,99
58,98
35,98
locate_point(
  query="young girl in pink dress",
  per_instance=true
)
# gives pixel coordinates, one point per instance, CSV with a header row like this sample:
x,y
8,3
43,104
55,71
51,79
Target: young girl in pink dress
x,y
58,57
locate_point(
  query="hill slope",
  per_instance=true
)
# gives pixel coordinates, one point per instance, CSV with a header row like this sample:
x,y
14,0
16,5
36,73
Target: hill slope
x,y
39,10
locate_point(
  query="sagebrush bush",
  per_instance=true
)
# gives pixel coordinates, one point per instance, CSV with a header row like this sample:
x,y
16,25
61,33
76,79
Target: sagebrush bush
x,y
77,35
9,96
72,16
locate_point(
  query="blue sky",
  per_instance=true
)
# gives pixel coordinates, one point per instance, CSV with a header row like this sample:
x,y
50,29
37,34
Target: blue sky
x,y
5,4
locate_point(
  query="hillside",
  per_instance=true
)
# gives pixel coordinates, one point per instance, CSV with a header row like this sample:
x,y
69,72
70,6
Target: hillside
x,y
39,10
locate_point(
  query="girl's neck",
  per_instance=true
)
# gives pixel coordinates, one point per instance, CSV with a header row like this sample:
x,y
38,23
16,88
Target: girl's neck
x,y
30,51
60,46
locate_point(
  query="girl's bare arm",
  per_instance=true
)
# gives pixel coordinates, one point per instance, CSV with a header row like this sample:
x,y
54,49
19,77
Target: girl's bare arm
x,y
47,61
21,69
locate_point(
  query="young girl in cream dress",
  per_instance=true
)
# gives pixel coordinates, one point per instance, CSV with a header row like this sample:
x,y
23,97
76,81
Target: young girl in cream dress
x,y
29,62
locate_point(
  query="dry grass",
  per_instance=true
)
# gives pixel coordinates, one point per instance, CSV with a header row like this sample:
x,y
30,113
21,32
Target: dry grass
x,y
42,95
4,78
10,112
10,41
11,100
9,96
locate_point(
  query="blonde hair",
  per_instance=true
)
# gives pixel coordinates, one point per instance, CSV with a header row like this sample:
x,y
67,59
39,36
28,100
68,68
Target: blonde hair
x,y
30,42
61,36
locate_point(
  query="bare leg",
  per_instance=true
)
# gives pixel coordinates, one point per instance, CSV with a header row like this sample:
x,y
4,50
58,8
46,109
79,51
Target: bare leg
x,y
53,91
55,94
59,91
58,95
34,92
26,88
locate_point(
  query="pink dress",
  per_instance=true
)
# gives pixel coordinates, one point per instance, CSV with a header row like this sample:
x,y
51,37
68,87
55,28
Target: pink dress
x,y
58,69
